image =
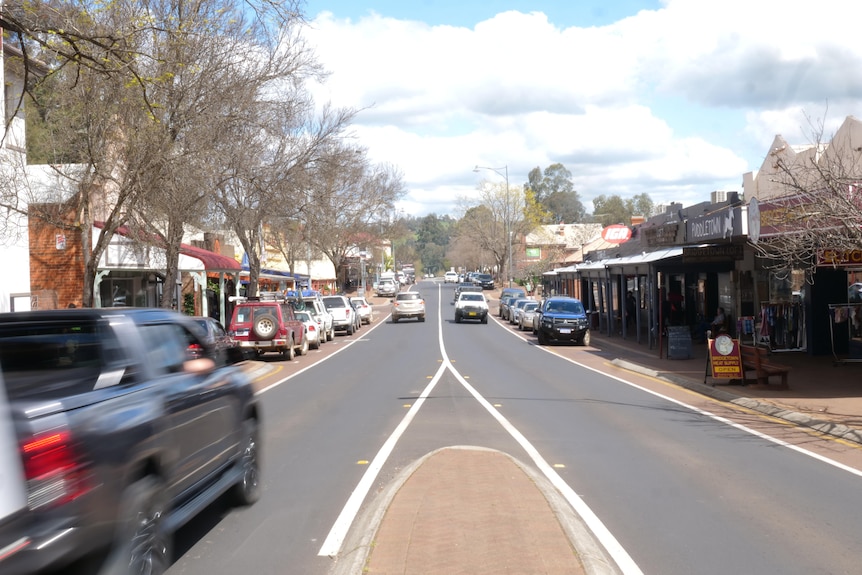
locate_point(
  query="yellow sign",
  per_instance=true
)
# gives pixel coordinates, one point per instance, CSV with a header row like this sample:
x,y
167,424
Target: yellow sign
x,y
724,358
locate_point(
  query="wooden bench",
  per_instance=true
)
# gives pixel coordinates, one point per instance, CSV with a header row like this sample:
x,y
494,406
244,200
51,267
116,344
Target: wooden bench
x,y
756,359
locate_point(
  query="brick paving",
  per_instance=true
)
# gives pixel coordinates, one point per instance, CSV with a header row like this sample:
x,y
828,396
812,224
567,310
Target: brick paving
x,y
471,512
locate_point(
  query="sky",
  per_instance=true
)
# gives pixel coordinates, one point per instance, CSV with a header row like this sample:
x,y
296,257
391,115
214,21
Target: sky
x,y
672,98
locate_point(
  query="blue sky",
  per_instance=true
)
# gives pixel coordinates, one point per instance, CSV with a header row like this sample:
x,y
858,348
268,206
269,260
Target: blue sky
x,y
674,98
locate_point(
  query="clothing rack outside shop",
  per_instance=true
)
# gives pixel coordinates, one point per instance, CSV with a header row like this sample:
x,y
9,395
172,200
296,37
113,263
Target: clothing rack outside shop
x,y
840,313
782,326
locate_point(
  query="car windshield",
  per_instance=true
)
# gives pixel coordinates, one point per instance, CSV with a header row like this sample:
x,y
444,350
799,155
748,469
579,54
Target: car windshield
x,y
334,302
572,307
303,316
408,296
472,297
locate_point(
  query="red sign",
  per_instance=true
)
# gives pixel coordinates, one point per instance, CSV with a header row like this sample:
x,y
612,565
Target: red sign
x,y
616,234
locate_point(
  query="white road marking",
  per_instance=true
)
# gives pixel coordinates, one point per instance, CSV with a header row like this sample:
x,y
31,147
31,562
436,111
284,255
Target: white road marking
x,y
332,544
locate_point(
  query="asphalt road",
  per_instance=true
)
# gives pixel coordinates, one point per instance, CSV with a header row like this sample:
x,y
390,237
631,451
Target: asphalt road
x,y
679,484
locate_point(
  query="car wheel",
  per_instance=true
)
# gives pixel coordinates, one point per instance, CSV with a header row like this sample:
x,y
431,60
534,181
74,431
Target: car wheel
x,y
394,319
247,490
421,318
289,352
303,349
315,345
585,340
265,327
350,329
141,543
543,339
484,319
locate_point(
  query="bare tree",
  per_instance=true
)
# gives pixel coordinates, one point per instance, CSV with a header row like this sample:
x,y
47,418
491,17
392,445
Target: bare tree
x,y
814,215
349,203
267,170
499,219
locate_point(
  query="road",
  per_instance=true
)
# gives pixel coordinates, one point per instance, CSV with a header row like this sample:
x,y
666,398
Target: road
x,y
679,484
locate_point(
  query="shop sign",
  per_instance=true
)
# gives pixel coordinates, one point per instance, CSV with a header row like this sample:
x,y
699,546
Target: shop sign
x,y
661,236
725,358
839,258
720,225
616,234
707,254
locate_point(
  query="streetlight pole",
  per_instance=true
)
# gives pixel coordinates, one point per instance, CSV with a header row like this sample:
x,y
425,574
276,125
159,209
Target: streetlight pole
x,y
506,217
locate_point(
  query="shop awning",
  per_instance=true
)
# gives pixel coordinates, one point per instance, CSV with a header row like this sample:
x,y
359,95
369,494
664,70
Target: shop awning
x,y
632,264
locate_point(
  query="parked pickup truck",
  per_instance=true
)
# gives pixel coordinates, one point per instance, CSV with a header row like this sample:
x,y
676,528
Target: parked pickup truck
x,y
116,427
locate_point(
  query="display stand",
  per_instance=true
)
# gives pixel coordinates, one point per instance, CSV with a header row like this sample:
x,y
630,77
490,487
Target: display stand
x,y
842,313
782,326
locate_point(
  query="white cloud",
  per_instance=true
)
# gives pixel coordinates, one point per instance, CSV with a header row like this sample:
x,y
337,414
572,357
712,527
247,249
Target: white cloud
x,y
675,103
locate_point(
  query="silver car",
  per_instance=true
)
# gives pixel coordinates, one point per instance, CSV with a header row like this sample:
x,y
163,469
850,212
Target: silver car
x,y
408,304
525,315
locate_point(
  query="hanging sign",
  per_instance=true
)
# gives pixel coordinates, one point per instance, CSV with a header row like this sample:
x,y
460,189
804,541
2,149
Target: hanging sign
x,y
616,234
725,358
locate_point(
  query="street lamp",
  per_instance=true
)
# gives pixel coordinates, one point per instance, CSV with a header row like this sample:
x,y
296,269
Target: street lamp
x,y
505,174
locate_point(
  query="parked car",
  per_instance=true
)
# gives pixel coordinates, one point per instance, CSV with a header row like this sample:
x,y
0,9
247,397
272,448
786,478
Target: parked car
x,y
485,281
506,304
344,316
509,292
387,287
262,325
365,309
226,348
450,277
119,426
408,304
563,318
515,308
315,306
312,328
471,305
525,317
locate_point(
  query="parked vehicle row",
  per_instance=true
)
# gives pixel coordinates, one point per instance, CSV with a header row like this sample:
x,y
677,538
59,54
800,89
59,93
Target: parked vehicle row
x,y
291,325
557,318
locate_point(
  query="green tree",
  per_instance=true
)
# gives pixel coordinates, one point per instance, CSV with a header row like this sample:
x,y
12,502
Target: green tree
x,y
609,210
555,192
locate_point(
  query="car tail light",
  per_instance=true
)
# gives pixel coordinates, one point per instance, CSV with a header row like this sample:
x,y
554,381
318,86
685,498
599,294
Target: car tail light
x,y
54,472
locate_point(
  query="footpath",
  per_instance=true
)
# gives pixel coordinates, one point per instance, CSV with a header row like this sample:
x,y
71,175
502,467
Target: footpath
x,y
467,510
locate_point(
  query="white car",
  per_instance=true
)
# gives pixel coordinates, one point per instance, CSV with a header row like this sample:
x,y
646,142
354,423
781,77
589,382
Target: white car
x,y
471,305
312,328
322,316
363,308
450,277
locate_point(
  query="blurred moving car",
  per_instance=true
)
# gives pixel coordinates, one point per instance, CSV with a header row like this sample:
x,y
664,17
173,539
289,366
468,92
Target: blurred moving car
x,y
365,309
123,427
226,348
312,328
471,305
450,277
525,317
408,304
465,286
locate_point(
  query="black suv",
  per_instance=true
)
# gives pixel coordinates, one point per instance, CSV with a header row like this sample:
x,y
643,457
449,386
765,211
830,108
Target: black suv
x,y
485,281
563,318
